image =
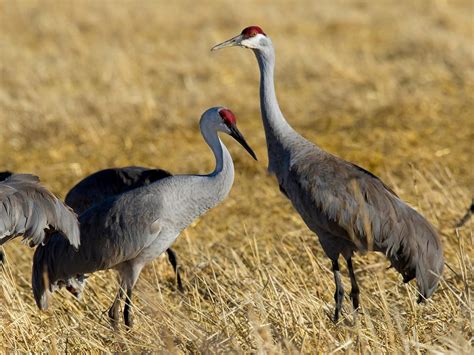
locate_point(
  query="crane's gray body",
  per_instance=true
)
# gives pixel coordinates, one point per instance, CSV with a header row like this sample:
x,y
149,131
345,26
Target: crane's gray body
x,y
104,184
350,209
133,228
127,231
347,207
30,210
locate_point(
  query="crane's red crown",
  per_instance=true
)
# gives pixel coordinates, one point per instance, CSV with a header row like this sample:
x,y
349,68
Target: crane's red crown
x,y
227,116
252,31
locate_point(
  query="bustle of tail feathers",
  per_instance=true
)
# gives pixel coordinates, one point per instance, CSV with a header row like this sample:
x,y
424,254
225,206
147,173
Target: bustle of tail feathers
x,y
430,265
421,257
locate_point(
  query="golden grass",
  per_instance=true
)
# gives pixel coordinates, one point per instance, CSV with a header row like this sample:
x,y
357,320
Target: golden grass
x,y
86,85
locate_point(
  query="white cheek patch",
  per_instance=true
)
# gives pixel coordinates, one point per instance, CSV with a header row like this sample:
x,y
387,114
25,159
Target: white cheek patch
x,y
253,42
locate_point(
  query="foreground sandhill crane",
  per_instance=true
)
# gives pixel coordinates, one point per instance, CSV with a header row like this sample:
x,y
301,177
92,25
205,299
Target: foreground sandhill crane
x,y
103,184
28,209
129,230
348,207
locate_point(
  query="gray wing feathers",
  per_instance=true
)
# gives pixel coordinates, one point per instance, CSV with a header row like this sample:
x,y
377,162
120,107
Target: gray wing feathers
x,y
30,210
371,216
103,184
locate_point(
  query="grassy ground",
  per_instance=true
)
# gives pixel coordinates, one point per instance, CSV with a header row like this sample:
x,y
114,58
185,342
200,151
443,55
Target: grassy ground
x,y
87,85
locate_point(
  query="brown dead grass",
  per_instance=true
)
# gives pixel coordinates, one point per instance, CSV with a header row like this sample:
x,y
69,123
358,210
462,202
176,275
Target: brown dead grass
x,y
86,85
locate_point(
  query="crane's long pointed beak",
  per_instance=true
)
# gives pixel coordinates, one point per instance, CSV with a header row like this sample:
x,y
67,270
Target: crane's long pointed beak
x,y
235,133
235,41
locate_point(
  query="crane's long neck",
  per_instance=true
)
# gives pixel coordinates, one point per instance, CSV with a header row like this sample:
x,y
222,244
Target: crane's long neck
x,y
277,129
224,163
215,186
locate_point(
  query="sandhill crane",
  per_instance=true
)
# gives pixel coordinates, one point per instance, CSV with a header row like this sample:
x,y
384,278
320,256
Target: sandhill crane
x,y
348,207
28,209
127,231
103,184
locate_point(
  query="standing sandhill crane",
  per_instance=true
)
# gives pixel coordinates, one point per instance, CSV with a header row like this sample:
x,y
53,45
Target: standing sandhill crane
x,y
348,207
103,184
127,231
30,210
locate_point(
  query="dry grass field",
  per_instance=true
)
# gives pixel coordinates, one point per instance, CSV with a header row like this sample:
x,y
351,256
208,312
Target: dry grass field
x,y
389,85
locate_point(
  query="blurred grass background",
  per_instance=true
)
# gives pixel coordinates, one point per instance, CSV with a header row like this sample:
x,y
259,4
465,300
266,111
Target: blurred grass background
x,y
87,85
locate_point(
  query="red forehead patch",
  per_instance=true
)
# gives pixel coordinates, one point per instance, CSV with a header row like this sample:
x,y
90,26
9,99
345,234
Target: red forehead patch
x,y
227,116
252,31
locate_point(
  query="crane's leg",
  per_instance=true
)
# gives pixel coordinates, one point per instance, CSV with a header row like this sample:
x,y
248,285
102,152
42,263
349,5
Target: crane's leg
x,y
114,310
354,287
127,313
131,275
339,294
174,262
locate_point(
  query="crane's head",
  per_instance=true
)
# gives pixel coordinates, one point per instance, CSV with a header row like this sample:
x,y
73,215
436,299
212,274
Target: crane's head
x,y
251,37
223,120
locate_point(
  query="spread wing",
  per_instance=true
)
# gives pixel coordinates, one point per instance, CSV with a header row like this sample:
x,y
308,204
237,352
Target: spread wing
x,y
30,210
